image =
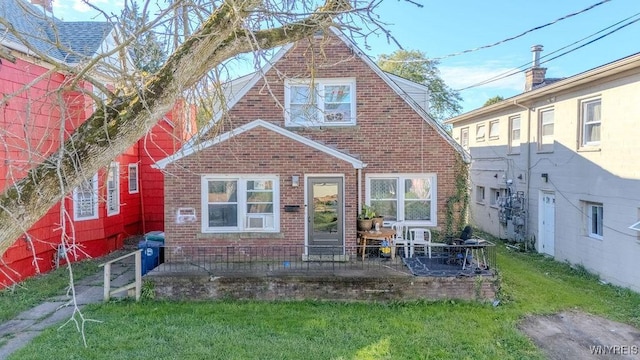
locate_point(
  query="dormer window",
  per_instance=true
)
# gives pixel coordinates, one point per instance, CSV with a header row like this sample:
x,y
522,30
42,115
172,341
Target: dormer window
x,y
320,102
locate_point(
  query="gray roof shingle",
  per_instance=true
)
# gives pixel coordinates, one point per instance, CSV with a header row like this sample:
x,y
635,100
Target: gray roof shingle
x,y
78,40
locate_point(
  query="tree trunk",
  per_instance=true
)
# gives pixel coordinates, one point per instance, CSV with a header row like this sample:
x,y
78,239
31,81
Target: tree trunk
x,y
117,126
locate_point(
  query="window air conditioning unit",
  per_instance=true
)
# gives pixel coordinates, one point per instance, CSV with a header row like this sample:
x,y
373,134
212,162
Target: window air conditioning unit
x,y
256,221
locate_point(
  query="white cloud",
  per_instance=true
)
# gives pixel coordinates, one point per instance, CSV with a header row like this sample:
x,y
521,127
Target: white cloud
x,y
459,77
77,10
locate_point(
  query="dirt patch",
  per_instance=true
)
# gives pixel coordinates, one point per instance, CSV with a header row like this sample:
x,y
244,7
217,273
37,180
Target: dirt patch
x,y
576,335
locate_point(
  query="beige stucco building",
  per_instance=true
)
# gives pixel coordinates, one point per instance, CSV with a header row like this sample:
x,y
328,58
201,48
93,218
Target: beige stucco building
x,y
556,167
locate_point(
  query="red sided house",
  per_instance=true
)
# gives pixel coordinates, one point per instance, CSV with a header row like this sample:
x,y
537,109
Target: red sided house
x,y
299,152
123,200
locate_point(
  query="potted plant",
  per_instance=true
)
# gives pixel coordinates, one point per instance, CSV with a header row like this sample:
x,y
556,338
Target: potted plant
x,y
365,218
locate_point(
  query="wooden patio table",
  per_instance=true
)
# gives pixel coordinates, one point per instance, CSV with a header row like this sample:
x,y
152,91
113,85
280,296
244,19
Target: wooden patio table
x,y
381,235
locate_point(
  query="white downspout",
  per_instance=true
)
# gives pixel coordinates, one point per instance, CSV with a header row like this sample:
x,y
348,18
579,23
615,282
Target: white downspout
x,y
359,191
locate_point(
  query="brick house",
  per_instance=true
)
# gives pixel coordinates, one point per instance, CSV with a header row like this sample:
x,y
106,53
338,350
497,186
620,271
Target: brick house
x,y
121,200
298,153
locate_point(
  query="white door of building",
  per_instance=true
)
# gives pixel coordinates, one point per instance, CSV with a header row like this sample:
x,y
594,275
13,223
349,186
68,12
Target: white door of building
x,y
546,216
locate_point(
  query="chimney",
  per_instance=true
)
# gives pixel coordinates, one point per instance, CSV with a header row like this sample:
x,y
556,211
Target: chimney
x,y
535,75
46,4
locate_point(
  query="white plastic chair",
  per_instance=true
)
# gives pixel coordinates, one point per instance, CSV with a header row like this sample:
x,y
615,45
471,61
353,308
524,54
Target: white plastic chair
x,y
420,237
400,238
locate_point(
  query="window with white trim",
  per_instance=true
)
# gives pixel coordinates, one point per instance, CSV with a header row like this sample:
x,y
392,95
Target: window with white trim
x,y
545,129
85,200
514,135
494,129
133,178
408,197
480,132
595,219
113,189
235,203
590,122
321,102
464,137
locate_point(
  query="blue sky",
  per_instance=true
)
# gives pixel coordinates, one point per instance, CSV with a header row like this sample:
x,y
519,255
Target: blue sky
x,y
443,27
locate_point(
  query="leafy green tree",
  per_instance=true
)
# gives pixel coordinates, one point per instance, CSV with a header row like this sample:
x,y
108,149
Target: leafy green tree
x,y
146,50
414,65
493,100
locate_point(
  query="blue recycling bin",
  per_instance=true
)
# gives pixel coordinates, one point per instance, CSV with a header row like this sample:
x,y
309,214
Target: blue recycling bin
x,y
159,237
150,254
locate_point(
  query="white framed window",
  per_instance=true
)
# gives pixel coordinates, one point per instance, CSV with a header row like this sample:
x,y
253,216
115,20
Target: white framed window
x,y
480,132
113,189
590,122
407,197
133,178
321,102
480,194
514,135
85,200
236,203
545,129
464,137
595,219
494,129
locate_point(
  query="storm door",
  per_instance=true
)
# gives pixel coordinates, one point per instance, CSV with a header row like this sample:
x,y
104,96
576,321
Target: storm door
x,y
325,216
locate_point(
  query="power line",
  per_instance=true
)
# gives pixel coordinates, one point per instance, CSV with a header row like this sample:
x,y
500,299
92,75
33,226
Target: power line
x,y
504,40
524,33
523,67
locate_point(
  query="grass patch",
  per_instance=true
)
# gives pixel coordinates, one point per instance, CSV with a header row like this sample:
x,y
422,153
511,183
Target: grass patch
x,y
37,289
530,284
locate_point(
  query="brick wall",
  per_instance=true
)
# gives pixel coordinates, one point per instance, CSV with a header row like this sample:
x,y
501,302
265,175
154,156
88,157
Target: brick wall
x,y
389,136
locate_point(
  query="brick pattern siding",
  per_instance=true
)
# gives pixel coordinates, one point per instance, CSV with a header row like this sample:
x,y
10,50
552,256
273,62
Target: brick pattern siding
x,y
390,137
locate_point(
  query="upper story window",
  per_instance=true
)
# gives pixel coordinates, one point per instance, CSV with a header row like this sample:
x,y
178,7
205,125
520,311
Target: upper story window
x,y
113,189
404,197
514,135
240,203
545,130
464,137
494,129
321,102
85,200
480,132
590,121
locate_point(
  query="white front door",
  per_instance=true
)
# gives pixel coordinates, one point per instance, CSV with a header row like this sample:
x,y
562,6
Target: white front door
x,y
546,216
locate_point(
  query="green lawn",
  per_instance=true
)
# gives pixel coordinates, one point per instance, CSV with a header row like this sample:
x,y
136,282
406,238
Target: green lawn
x,y
531,284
